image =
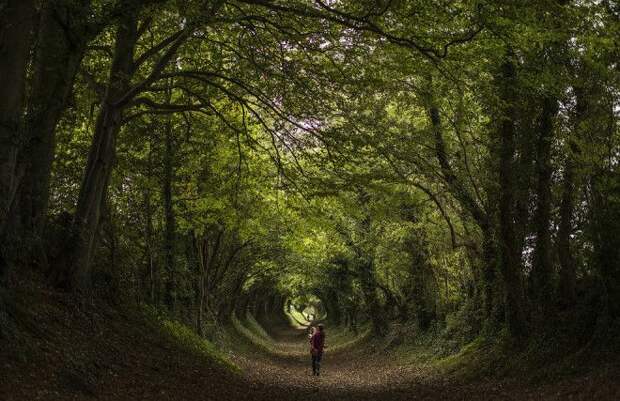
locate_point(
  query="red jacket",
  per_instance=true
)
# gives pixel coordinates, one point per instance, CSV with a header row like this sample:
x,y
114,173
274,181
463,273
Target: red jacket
x,y
318,341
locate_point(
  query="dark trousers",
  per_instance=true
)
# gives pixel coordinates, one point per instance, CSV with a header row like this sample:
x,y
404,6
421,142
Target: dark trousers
x,y
316,363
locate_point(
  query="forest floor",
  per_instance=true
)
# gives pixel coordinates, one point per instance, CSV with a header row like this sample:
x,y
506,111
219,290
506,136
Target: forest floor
x,y
53,350
359,371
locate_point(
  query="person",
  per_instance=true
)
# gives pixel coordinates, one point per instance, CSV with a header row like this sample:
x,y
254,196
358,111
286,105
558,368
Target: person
x,y
311,331
310,334
317,344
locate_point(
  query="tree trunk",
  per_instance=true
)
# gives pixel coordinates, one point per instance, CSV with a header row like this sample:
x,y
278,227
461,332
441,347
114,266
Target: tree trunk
x,y
567,283
493,291
542,270
422,280
475,210
148,242
101,156
195,263
16,25
169,220
510,254
423,291
366,272
369,290
567,293
203,259
605,231
63,35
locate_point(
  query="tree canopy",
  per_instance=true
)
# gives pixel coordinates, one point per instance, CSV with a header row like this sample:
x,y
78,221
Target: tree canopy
x,y
381,160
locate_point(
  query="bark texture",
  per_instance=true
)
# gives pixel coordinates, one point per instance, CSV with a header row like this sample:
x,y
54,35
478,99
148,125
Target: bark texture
x,y
16,26
65,29
510,254
102,153
542,273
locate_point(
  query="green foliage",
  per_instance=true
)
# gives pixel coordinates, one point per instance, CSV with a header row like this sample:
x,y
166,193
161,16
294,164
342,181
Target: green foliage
x,y
352,156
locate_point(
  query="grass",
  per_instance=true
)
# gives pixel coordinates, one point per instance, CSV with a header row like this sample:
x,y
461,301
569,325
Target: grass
x,y
342,339
539,360
472,361
256,328
251,330
189,340
339,338
297,318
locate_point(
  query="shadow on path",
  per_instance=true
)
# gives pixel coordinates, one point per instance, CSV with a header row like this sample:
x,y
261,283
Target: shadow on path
x,y
356,373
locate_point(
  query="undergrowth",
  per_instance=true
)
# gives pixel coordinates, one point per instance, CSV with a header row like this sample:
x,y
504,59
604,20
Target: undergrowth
x,y
452,351
253,332
188,339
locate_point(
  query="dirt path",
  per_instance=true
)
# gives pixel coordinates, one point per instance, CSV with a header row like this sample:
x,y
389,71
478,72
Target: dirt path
x,y
355,374
99,353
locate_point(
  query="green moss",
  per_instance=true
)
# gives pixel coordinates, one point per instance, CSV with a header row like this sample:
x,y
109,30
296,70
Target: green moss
x,y
250,329
256,328
341,339
461,360
190,341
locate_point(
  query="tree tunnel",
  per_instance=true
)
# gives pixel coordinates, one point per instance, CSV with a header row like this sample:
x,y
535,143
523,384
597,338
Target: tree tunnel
x,y
338,292
446,168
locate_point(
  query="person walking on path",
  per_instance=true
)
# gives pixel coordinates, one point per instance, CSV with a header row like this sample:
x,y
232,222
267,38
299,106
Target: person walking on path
x,y
317,344
311,332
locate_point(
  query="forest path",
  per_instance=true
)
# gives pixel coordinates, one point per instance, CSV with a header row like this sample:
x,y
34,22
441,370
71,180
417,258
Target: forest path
x,y
98,353
345,374
359,373
348,373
